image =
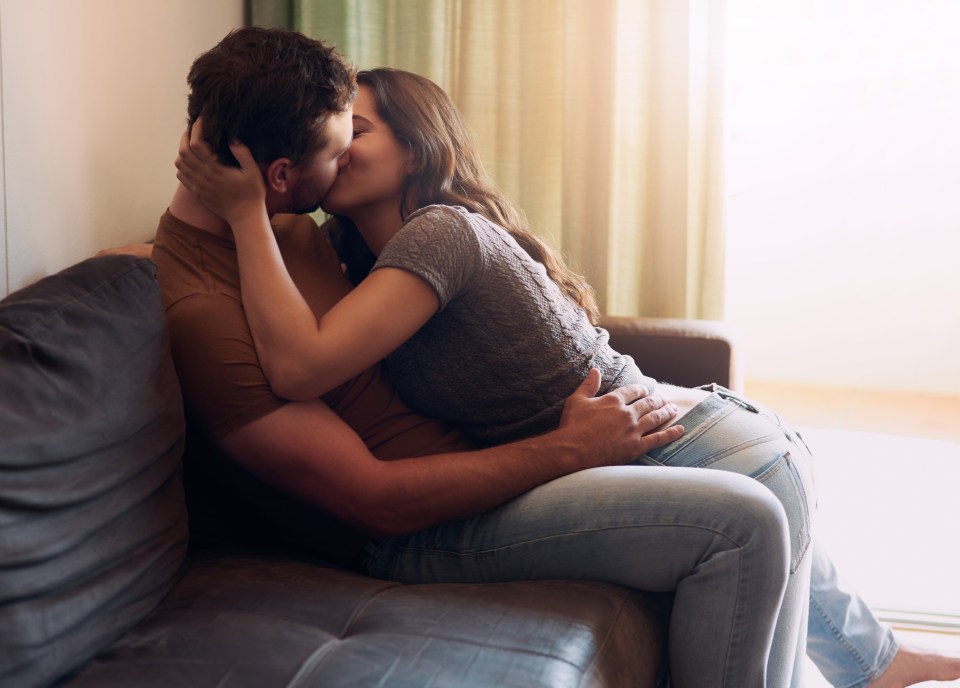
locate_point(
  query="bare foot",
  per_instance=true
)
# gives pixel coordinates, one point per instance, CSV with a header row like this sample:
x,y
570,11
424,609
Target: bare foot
x,y
914,664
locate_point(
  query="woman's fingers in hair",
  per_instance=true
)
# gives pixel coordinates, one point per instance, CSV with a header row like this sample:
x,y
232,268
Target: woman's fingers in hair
x,y
243,155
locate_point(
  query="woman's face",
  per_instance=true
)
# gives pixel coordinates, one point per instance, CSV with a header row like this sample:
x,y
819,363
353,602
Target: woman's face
x,y
376,167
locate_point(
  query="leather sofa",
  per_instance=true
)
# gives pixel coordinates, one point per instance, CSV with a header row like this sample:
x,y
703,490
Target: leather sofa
x,y
105,582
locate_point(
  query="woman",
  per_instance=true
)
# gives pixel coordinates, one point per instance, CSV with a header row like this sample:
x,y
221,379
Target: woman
x,y
458,281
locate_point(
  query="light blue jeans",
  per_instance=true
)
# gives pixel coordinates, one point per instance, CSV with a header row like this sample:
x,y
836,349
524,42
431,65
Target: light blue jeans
x,y
846,642
735,552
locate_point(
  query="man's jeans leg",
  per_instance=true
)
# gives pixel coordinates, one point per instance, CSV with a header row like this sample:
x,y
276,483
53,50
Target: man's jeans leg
x,y
719,540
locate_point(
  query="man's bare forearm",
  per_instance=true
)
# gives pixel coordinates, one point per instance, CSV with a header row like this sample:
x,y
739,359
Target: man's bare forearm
x,y
417,493
305,449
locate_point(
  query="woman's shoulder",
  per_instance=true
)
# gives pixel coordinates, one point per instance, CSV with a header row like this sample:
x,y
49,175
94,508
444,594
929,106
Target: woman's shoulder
x,y
456,219
438,212
446,223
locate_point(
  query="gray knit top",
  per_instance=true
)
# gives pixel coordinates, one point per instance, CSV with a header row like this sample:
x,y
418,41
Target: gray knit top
x,y
507,346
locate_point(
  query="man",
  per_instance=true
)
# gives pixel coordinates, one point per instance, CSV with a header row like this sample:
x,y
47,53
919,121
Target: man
x,y
352,453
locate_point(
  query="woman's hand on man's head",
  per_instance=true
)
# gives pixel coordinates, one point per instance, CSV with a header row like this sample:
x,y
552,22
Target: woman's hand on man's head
x,y
231,193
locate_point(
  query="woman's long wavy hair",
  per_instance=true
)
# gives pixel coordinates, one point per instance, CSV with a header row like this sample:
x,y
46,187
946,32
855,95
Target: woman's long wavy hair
x,y
449,172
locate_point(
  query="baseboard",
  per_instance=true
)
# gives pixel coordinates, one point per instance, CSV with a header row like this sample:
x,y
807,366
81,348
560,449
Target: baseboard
x,y
919,621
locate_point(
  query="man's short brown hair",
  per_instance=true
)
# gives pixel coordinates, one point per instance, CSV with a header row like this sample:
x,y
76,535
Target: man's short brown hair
x,y
272,89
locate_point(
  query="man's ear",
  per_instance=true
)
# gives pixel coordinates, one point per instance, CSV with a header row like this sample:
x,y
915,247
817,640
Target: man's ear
x,y
279,175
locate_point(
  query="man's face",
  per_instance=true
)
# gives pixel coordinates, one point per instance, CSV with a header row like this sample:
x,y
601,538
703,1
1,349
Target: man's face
x,y
315,176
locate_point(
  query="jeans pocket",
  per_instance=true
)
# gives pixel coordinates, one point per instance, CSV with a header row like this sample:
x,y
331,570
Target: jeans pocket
x,y
783,479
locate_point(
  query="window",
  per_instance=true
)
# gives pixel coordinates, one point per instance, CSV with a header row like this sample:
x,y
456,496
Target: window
x,y
842,178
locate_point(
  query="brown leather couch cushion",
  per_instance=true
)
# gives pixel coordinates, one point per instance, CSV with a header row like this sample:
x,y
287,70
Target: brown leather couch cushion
x,y
258,622
93,527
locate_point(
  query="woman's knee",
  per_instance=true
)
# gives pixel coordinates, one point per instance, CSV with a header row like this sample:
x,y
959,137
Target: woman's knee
x,y
789,480
762,522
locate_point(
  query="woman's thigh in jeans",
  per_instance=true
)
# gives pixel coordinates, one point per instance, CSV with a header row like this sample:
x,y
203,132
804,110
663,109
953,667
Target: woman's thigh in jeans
x,y
717,539
730,433
640,526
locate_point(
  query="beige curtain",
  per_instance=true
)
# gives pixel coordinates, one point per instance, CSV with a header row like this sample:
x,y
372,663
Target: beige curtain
x,y
602,119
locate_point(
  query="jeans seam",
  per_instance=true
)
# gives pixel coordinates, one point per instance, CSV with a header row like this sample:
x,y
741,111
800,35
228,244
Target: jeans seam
x,y
720,455
869,674
494,550
739,619
783,464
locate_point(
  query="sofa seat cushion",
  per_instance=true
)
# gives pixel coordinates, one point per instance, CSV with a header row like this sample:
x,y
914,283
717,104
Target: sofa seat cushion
x,y
259,622
93,526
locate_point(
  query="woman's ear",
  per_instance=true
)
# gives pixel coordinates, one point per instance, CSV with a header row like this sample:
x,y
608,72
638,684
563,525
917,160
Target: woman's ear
x,y
278,175
413,163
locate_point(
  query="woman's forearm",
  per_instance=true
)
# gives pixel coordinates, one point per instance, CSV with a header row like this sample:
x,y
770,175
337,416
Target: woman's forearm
x,y
284,327
305,355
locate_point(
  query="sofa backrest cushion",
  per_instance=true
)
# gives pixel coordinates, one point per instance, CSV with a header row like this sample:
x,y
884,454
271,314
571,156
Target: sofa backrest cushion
x,y
93,529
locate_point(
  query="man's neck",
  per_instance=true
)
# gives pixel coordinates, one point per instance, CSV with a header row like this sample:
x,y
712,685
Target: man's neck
x,y
186,208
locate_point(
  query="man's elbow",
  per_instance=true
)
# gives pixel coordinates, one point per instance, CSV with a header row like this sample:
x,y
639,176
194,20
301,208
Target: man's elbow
x,y
379,519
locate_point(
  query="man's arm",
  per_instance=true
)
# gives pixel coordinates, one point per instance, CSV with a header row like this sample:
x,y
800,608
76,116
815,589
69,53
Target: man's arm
x,y
306,449
143,250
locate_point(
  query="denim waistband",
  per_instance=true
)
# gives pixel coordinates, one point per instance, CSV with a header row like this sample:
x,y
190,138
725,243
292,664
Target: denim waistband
x,y
718,403
715,403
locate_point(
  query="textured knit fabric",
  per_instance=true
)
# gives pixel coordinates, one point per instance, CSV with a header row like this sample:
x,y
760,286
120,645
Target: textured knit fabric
x,y
506,347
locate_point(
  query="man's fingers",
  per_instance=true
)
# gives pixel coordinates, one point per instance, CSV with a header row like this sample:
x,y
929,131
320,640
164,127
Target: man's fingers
x,y
654,412
631,393
661,437
647,404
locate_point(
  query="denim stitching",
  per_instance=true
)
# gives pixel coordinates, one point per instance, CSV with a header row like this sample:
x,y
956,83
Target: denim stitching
x,y
842,640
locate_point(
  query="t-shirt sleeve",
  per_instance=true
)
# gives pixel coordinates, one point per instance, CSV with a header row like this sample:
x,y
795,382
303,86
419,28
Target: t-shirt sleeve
x,y
223,385
440,245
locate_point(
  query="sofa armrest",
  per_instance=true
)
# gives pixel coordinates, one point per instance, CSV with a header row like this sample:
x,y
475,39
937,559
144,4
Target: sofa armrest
x,y
682,352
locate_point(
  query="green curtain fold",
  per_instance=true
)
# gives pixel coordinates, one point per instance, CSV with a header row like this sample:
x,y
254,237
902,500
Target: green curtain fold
x,y
602,119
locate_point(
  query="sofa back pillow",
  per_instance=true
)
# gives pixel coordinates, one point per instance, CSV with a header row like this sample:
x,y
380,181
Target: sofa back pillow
x,y
93,528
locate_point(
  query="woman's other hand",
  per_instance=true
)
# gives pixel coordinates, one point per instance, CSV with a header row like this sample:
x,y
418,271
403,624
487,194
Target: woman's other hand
x,y
232,193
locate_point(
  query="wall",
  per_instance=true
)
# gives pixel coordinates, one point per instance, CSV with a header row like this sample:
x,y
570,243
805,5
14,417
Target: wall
x,y
93,105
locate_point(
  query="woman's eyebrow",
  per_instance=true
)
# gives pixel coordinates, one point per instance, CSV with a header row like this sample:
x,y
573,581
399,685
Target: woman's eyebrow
x,y
361,119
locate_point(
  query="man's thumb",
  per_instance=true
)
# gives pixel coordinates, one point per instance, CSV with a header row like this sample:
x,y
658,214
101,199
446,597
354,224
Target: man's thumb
x,y
590,385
